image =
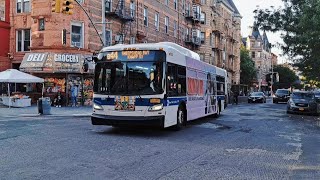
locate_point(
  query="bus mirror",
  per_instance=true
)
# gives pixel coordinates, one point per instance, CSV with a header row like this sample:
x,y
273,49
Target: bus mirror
x,y
85,66
95,59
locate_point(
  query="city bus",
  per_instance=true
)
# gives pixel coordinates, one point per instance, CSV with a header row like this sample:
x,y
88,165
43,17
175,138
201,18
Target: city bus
x,y
155,84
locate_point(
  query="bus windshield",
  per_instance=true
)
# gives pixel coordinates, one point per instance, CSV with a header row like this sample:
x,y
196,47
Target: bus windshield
x,y
130,73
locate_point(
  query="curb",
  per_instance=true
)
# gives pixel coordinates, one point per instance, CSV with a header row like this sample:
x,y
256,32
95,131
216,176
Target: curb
x,y
49,115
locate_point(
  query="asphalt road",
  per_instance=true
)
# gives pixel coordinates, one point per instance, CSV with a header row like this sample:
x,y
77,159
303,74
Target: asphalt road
x,y
248,141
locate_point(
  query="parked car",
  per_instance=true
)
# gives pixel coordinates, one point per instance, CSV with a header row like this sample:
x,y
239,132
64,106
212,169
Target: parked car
x,y
303,102
281,95
257,97
317,95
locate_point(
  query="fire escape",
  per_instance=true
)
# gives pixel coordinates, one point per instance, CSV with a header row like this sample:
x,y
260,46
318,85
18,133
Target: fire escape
x,y
218,46
125,16
193,15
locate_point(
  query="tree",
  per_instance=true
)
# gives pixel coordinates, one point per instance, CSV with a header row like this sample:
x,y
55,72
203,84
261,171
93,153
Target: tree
x,y
299,23
248,71
287,77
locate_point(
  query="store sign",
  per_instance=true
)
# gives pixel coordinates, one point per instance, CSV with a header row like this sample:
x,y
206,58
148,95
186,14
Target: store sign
x,y
36,57
68,58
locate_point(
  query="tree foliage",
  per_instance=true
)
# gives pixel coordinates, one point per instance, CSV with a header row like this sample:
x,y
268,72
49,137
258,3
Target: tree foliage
x,y
248,72
299,23
287,77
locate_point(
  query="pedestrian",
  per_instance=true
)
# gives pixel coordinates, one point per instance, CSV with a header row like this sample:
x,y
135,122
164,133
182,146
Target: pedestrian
x,y
235,96
74,95
58,99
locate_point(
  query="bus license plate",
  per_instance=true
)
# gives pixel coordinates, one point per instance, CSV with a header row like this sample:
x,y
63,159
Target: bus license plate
x,y
301,109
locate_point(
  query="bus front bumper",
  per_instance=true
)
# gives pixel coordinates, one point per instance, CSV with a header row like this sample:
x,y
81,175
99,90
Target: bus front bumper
x,y
156,121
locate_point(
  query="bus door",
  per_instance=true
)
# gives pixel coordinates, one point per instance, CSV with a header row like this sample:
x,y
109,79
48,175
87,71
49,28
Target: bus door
x,y
175,90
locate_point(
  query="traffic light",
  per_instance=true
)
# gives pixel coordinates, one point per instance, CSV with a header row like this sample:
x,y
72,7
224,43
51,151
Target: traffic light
x,y
67,6
64,37
56,6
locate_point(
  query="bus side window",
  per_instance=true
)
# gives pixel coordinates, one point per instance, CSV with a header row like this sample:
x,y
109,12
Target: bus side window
x,y
182,81
172,80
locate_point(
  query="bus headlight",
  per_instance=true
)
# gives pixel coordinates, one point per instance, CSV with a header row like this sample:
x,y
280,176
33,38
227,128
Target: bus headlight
x,y
97,106
156,107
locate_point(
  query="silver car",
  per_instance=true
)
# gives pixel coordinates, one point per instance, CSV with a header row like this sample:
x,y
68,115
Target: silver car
x,y
303,102
257,97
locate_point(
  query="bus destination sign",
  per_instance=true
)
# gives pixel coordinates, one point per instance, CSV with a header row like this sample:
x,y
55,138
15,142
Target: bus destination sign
x,y
128,55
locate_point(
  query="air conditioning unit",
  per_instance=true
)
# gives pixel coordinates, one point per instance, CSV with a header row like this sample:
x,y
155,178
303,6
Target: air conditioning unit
x,y
118,37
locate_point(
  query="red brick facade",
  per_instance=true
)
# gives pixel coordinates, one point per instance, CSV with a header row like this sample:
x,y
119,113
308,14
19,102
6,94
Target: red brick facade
x,y
4,34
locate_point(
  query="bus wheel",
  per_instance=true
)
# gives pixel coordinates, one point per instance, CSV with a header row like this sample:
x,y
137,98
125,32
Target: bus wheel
x,y
180,118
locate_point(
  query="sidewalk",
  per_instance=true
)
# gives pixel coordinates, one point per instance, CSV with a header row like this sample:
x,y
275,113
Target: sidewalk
x,y
82,111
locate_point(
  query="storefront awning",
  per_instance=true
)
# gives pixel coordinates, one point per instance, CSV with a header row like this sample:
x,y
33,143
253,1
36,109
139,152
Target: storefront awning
x,y
53,63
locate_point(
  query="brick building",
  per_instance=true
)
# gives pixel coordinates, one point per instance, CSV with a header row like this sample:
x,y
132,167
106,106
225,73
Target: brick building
x,y
209,27
260,52
4,34
36,46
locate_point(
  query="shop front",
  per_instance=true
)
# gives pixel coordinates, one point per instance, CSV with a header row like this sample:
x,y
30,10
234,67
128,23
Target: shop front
x,y
61,72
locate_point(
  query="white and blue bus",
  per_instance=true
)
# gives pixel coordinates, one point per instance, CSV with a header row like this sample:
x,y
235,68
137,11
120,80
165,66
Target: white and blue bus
x,y
155,84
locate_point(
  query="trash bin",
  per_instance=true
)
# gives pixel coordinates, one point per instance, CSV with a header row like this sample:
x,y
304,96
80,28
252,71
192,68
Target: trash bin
x,y
39,103
44,105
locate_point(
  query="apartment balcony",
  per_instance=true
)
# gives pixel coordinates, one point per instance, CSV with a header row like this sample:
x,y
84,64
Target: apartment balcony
x,y
217,28
124,14
217,46
194,17
193,40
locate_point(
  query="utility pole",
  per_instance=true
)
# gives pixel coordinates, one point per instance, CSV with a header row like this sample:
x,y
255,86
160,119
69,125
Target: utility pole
x,y
103,10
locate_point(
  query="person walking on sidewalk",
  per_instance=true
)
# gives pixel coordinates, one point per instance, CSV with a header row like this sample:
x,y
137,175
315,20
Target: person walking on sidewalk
x,y
74,95
235,97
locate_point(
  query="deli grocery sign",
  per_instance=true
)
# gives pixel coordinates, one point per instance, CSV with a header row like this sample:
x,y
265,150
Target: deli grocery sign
x,y
51,62
67,58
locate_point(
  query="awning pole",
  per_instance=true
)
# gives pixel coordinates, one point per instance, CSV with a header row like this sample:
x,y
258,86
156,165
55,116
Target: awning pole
x,y
42,89
15,87
9,94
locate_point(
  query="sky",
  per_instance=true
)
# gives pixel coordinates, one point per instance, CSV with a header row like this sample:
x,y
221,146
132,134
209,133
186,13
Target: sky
x,y
246,8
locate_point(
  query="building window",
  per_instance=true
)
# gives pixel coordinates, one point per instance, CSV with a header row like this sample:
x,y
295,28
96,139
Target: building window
x,y
41,24
203,2
108,37
175,28
156,21
257,44
166,2
77,35
132,40
108,5
175,4
202,37
201,56
145,16
253,55
203,18
23,40
132,9
213,57
166,23
258,55
23,6
2,10
183,4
